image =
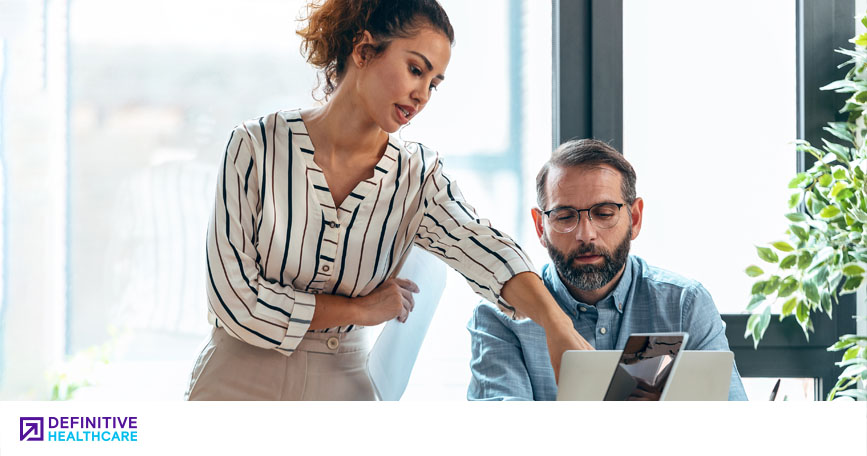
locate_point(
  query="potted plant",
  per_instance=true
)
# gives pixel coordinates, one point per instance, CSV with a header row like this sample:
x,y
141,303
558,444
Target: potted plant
x,y
826,250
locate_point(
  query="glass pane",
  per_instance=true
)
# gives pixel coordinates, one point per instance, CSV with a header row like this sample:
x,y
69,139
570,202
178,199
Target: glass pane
x,y
150,114
499,83
709,120
791,389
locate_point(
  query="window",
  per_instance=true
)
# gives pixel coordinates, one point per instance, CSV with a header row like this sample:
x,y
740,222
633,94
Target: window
x,y
693,103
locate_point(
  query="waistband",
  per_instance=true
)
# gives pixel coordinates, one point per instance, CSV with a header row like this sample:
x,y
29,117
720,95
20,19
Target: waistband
x,y
347,342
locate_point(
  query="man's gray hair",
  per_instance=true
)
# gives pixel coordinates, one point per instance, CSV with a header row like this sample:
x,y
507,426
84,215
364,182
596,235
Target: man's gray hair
x,y
587,152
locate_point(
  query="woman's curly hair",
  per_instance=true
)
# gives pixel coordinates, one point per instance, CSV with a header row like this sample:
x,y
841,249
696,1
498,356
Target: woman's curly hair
x,y
333,28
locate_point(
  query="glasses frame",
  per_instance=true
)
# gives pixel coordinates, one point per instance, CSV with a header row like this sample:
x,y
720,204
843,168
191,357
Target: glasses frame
x,y
579,211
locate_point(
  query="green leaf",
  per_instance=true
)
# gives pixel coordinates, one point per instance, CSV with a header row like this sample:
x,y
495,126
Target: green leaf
x,y
839,173
757,299
841,129
788,286
811,291
771,285
761,326
789,306
758,287
829,212
844,195
854,393
787,262
794,200
845,342
837,188
800,232
798,180
796,217
821,275
861,40
751,323
822,257
783,246
851,353
853,370
802,313
853,269
754,271
804,259
825,180
826,303
767,254
852,361
852,283
841,152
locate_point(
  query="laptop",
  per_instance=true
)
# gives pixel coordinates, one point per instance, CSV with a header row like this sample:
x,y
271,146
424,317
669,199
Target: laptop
x,y
700,375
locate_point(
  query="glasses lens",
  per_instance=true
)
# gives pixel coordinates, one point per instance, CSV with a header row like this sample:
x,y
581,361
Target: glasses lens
x,y
605,215
563,220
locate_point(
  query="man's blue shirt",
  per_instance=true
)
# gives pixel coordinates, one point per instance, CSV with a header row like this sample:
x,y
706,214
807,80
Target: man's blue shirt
x,y
510,357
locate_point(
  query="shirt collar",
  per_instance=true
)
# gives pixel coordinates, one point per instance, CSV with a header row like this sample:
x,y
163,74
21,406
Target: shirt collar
x,y
620,292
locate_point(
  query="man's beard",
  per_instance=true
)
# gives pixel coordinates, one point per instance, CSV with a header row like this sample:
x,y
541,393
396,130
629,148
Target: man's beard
x,y
589,277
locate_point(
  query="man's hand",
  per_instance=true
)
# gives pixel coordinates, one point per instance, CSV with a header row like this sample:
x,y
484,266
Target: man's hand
x,y
559,342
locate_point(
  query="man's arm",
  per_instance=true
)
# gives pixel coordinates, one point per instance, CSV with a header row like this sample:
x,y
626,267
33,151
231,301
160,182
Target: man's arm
x,y
498,368
707,332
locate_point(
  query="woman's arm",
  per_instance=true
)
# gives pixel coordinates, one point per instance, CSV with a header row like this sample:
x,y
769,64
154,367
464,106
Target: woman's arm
x,y
530,297
493,264
391,299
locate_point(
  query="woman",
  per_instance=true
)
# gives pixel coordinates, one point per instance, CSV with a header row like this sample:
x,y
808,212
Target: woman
x,y
316,209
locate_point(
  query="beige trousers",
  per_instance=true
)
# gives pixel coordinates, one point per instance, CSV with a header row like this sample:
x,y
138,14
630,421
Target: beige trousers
x,y
324,366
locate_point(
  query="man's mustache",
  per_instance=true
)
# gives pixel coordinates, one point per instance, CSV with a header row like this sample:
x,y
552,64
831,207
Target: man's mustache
x,y
588,249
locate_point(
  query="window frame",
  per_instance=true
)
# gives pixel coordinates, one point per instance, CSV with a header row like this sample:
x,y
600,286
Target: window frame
x,y
592,107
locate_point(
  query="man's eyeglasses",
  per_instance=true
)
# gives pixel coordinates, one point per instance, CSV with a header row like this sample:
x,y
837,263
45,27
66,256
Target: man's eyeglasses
x,y
602,216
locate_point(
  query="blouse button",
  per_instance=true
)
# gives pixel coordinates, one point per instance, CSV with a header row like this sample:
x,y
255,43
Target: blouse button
x,y
325,268
332,343
603,330
582,309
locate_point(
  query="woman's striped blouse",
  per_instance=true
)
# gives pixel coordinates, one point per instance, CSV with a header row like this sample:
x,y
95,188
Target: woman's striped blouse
x,y
276,240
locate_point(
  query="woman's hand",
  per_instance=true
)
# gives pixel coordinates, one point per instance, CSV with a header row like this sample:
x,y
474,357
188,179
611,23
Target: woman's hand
x,y
392,298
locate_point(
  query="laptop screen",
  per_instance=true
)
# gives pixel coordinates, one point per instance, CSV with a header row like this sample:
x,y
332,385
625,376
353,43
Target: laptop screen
x,y
645,367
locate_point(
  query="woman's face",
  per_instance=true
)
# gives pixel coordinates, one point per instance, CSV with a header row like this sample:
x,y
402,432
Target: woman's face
x,y
396,85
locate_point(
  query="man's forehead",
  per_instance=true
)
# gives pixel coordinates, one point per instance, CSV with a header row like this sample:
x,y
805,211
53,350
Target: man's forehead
x,y
584,182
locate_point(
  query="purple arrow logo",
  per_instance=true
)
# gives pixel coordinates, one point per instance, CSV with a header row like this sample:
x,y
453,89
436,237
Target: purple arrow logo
x,y
31,428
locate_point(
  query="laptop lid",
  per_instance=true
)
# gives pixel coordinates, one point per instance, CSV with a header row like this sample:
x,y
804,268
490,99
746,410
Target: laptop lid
x,y
584,374
702,376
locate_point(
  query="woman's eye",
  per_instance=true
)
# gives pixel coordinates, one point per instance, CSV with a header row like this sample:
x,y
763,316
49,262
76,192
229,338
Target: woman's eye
x,y
432,87
415,70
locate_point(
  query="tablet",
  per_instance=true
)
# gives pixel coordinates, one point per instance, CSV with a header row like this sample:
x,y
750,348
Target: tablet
x,y
645,367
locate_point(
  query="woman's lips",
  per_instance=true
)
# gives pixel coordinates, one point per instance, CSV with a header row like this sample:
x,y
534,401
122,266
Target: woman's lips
x,y
402,118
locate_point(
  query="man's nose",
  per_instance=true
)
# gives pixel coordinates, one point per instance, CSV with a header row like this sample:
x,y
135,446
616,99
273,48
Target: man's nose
x,y
585,232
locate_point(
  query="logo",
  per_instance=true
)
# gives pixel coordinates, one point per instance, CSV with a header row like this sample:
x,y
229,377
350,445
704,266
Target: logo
x,y
79,429
31,428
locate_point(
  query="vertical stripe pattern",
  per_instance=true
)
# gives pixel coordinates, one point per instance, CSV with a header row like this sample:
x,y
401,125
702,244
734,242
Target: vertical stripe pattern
x,y
276,239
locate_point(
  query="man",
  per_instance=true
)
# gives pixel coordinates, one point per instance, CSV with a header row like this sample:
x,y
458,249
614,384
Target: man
x,y
588,214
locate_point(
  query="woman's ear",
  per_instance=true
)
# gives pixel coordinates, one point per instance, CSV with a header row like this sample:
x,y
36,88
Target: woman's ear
x,y
361,49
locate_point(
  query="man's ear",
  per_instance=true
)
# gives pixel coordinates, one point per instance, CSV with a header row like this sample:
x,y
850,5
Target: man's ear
x,y
361,49
538,222
637,213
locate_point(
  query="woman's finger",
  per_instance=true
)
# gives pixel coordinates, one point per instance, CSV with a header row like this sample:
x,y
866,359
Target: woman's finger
x,y
407,284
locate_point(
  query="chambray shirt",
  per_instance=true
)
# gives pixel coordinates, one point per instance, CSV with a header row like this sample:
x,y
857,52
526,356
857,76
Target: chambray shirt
x,y
510,357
